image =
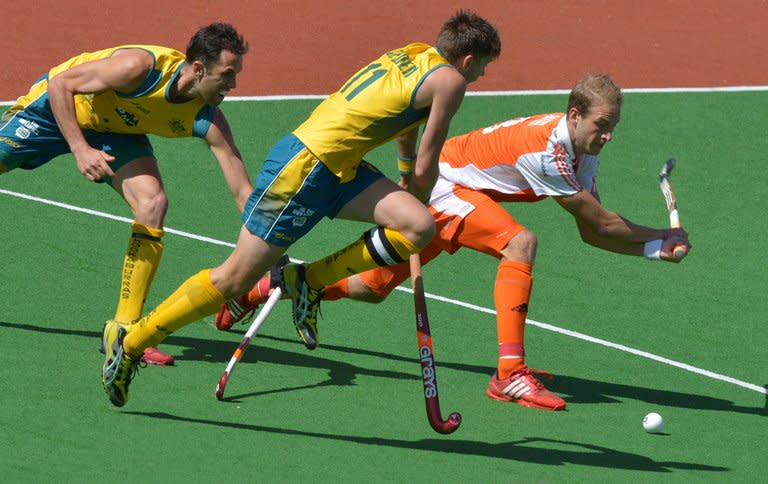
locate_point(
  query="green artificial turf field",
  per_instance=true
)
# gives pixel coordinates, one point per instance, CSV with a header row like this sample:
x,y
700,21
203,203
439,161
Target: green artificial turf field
x,y
623,336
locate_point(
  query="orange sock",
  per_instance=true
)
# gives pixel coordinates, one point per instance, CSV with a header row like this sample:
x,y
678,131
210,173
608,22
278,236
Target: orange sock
x,y
337,290
511,294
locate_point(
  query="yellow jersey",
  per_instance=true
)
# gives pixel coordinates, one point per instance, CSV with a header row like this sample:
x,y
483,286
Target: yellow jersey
x,y
148,110
374,106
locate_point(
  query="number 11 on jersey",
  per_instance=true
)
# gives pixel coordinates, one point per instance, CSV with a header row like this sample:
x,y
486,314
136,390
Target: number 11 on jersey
x,y
374,73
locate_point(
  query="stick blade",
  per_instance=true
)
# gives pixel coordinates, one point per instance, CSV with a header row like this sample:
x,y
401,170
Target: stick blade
x,y
220,387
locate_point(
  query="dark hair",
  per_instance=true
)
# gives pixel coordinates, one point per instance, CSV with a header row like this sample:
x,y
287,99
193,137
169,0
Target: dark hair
x,y
593,89
466,33
208,42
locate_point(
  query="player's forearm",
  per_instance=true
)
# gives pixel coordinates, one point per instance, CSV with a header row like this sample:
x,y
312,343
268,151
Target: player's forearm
x,y
238,182
406,144
617,228
222,145
62,102
427,168
422,181
613,245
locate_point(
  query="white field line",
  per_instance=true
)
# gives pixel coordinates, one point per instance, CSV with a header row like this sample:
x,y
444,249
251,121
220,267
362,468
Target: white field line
x,y
528,92
473,307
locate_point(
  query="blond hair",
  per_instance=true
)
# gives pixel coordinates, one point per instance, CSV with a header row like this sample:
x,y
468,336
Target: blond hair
x,y
594,89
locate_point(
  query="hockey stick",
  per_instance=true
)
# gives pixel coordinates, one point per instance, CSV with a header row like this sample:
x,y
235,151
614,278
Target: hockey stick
x,y
671,201
255,325
426,355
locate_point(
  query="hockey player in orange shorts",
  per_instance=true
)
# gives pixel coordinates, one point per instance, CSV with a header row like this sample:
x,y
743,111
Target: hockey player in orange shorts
x,y
520,160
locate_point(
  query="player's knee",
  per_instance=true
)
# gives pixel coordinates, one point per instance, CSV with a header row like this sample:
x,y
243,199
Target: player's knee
x,y
153,208
422,230
521,247
232,283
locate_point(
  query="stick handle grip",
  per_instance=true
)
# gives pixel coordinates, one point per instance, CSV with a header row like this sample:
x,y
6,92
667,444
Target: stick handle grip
x,y
674,221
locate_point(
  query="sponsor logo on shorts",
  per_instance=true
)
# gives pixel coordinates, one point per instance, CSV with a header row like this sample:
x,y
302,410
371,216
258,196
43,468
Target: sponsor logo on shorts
x,y
9,142
300,216
27,128
282,236
303,212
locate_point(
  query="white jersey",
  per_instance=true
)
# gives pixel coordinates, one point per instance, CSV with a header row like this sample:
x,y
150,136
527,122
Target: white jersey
x,y
522,159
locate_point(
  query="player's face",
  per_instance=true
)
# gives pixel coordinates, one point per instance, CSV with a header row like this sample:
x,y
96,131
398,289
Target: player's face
x,y
595,128
218,79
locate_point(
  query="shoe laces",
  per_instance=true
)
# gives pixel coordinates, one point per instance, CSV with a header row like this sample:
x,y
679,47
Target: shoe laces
x,y
308,303
530,374
142,363
120,360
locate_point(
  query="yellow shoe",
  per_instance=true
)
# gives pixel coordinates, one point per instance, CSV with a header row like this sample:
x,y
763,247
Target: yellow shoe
x,y
119,367
306,303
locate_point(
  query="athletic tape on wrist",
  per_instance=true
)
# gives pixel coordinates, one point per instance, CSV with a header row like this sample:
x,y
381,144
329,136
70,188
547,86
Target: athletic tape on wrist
x,y
652,249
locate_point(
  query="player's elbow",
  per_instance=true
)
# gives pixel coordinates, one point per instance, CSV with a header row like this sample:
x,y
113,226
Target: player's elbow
x,y
600,231
57,85
588,233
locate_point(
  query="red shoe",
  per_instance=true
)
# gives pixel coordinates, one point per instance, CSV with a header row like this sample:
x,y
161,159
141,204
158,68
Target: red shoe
x,y
233,311
153,356
241,307
523,388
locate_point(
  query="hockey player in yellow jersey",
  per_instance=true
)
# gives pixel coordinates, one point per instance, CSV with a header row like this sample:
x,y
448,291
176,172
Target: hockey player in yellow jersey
x,y
318,171
101,105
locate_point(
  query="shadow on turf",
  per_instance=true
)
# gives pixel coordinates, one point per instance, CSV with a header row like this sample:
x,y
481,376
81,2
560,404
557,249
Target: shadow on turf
x,y
583,391
532,449
574,389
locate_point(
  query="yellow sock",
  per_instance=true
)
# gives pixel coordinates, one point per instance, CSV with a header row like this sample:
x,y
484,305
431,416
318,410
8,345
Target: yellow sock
x,y
139,267
377,247
193,300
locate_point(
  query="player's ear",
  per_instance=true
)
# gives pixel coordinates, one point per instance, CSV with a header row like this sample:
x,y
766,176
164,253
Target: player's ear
x,y
573,115
198,68
467,61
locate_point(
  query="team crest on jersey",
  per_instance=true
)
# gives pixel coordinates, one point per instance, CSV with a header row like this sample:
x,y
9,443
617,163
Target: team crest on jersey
x,y
127,117
177,126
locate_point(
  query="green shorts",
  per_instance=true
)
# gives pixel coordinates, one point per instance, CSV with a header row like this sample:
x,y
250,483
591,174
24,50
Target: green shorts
x,y
28,141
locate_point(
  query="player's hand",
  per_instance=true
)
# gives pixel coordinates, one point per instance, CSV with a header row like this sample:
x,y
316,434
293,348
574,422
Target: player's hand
x,y
94,164
675,246
404,182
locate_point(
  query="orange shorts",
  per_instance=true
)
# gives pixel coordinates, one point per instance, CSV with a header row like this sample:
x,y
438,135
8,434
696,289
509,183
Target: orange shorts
x,y
488,228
